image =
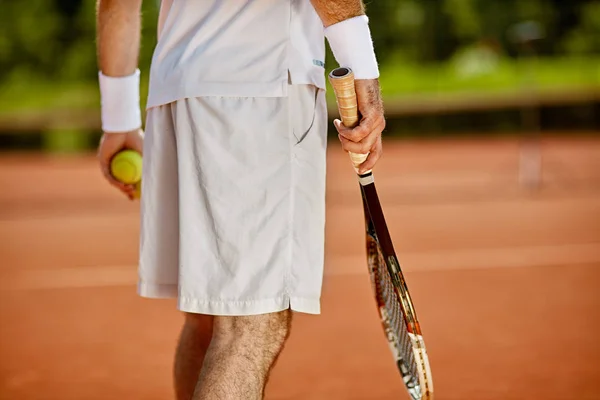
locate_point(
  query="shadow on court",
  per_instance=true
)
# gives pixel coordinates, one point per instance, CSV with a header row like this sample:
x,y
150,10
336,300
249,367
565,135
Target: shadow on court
x,y
505,281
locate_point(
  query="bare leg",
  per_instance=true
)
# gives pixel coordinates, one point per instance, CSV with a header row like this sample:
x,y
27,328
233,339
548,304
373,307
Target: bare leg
x,y
241,355
191,349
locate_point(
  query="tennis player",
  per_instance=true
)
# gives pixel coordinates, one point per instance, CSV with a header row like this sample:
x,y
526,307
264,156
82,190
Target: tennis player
x,y
233,194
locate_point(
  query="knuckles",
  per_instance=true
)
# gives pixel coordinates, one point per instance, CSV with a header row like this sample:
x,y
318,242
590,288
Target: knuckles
x,y
357,134
364,148
373,122
359,148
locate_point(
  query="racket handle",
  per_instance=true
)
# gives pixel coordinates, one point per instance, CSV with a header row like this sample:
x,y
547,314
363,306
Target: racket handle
x,y
342,81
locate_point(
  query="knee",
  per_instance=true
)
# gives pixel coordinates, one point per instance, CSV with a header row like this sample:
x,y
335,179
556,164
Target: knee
x,y
276,328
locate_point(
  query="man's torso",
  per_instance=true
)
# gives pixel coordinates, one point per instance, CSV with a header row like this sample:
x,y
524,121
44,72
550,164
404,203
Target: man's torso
x,y
252,48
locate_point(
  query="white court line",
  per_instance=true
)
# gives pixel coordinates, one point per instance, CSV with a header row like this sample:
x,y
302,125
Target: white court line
x,y
447,260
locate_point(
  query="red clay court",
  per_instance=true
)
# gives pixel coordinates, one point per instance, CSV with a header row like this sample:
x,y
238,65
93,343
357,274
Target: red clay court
x,y
506,281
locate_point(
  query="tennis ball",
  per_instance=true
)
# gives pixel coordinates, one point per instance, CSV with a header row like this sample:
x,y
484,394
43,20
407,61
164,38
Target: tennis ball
x,y
126,166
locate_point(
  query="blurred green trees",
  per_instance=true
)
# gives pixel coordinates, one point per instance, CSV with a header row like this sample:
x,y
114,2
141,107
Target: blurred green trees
x,y
49,42
44,40
442,50
434,30
29,39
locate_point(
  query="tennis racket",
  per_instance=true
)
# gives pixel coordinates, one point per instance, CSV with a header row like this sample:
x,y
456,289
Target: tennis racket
x,y
391,293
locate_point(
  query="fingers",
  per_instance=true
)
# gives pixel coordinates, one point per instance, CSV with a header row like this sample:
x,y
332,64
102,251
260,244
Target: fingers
x,y
374,156
374,151
366,142
363,147
354,134
367,125
369,143
366,137
111,144
128,190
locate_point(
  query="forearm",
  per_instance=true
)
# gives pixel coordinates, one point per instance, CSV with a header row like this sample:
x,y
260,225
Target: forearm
x,y
118,41
118,36
334,11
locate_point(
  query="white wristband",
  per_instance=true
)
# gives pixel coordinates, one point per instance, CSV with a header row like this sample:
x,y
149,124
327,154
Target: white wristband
x,y
352,46
120,99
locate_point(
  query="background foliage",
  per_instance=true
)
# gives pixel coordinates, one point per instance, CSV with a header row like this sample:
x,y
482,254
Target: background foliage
x,y
54,39
425,48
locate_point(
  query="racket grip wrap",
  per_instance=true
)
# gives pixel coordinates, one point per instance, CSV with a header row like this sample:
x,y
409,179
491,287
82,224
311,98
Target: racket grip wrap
x,y
342,81
358,159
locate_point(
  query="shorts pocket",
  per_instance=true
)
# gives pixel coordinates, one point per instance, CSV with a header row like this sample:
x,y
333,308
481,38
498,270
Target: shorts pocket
x,y
303,103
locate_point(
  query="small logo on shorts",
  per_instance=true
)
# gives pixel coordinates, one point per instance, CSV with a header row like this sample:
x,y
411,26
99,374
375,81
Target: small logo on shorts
x,y
319,63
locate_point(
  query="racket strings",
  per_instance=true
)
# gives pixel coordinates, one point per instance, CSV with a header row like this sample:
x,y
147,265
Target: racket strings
x,y
393,320
396,322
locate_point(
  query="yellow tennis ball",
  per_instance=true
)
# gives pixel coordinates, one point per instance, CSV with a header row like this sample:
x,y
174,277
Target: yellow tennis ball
x,y
126,166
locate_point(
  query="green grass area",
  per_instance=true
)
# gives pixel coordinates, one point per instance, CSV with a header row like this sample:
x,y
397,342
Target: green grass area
x,y
502,76
398,79
27,96
24,97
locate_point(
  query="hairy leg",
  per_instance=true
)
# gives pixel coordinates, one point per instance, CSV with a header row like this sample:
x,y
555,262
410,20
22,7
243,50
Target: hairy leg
x,y
240,356
193,342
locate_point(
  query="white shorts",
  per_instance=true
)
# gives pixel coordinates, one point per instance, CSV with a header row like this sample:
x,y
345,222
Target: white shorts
x,y
233,203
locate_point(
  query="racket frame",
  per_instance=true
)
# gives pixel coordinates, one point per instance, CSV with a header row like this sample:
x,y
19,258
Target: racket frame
x,y
342,80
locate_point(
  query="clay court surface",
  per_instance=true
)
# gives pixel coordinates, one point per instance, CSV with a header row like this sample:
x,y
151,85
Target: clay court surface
x,y
506,281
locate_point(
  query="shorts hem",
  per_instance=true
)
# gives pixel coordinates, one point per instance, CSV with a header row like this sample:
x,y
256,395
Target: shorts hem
x,y
157,291
250,307
230,307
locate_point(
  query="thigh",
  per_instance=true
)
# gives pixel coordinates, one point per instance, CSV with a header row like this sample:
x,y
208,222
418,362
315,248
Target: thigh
x,y
251,202
270,328
159,239
234,160
310,125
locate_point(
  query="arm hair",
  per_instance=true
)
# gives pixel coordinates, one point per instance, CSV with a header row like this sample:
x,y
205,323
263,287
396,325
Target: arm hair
x,y
334,11
118,32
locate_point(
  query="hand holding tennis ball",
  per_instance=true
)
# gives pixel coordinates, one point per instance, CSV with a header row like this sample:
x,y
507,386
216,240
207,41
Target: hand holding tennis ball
x,y
126,167
120,157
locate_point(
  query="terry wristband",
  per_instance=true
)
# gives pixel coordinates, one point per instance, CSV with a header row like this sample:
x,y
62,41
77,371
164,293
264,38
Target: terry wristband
x,y
120,99
352,46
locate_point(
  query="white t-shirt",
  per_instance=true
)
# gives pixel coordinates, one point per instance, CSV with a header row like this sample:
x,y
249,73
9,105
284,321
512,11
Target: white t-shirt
x,y
241,48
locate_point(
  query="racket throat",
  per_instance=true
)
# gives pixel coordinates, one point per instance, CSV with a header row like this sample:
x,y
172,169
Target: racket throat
x,y
366,179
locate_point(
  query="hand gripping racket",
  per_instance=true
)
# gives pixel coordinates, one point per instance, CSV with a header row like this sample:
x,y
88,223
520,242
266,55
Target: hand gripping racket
x,y
391,293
